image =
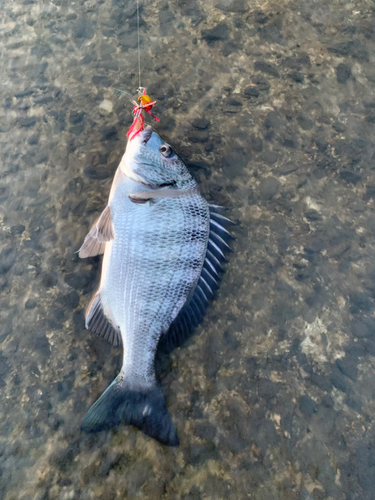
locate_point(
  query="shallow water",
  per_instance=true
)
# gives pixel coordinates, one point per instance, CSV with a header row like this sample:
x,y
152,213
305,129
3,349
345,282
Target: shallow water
x,y
272,105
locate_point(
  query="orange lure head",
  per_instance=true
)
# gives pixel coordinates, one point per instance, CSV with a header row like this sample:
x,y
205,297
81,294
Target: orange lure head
x,y
145,101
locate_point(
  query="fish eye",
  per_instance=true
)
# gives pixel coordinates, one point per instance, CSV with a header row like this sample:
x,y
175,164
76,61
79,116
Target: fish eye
x,y
166,150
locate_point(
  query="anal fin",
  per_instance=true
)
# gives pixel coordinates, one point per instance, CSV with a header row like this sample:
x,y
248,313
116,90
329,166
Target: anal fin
x,y
98,323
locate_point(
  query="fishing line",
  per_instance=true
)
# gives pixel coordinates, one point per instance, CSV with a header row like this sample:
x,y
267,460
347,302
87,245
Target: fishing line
x,y
139,50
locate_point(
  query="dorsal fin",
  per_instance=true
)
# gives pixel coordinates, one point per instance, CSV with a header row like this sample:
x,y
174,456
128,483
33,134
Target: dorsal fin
x,y
98,323
191,315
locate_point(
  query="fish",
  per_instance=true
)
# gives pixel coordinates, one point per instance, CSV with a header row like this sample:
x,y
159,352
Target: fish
x,y
164,247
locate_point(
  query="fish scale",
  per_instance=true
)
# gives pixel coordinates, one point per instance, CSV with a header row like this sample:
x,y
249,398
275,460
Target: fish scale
x,y
155,234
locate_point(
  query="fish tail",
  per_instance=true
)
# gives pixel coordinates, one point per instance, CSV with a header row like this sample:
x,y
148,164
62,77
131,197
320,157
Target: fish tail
x,y
143,409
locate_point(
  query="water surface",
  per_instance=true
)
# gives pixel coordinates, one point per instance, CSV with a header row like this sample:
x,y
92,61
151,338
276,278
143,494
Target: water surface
x,y
272,106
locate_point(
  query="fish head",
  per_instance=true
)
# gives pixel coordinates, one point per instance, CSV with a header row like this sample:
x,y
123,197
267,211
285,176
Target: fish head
x,y
150,160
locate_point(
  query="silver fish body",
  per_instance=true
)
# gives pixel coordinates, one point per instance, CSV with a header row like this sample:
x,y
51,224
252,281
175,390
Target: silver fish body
x,y
155,234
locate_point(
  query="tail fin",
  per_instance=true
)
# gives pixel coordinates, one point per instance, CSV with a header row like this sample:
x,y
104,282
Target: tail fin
x,y
145,410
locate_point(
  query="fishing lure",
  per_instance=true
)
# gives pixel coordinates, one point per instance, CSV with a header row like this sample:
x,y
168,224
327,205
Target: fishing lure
x,y
145,103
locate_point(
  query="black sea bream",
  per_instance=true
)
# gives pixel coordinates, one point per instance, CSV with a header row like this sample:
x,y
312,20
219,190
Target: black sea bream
x,y
163,245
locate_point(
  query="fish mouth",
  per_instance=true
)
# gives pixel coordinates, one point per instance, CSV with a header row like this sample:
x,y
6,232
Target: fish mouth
x,y
146,134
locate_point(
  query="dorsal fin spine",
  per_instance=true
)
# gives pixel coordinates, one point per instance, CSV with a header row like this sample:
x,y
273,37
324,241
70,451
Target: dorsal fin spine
x,y
216,226
219,241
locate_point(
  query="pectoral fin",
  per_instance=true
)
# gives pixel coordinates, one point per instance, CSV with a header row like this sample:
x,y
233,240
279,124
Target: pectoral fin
x,y
138,200
165,192
100,233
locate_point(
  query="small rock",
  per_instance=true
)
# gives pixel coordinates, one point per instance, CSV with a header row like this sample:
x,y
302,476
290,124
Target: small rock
x,y
234,102
27,121
109,65
219,33
320,381
42,345
128,41
24,93
205,431
307,406
235,163
79,281
76,118
97,173
271,34
267,389
261,83
360,302
343,73
106,50
270,157
363,327
351,48
232,6
18,229
315,244
260,17
83,29
109,134
339,127
49,279
256,144
340,381
273,120
200,123
86,60
31,304
166,19
350,177
77,129
348,366
297,76
269,187
305,123
34,139
251,92
288,168
106,106
298,62
370,193
230,47
101,81
198,136
313,215
41,157
263,67
41,51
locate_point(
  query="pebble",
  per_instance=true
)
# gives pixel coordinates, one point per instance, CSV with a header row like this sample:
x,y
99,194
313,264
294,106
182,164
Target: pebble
x,y
305,123
219,33
200,123
232,6
263,67
288,168
297,76
270,157
307,406
18,229
343,73
106,106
